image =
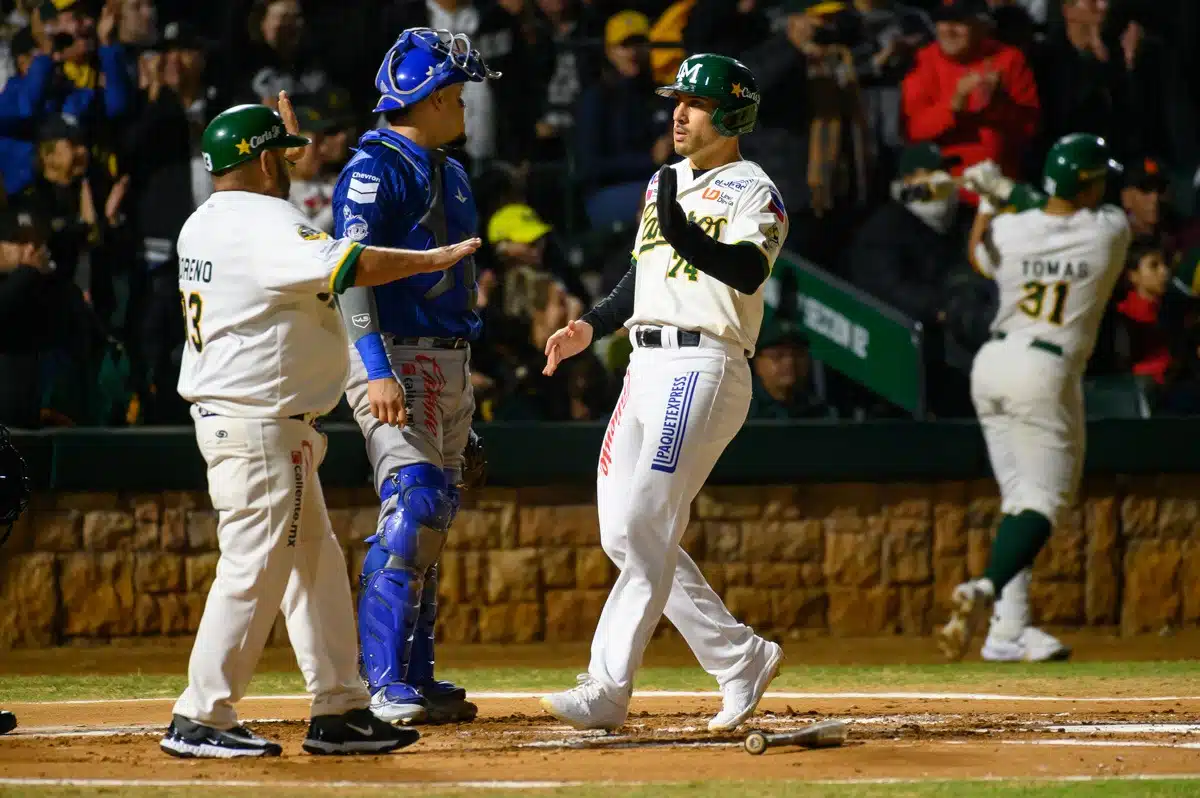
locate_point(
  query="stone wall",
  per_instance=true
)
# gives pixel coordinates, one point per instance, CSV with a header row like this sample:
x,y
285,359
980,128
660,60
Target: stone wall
x,y
525,565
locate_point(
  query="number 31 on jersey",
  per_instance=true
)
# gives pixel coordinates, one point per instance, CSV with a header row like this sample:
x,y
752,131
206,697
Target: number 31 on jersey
x,y
1048,299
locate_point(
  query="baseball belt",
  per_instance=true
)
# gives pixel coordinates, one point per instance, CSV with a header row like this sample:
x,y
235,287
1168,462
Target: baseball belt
x,y
1035,343
651,337
431,343
307,418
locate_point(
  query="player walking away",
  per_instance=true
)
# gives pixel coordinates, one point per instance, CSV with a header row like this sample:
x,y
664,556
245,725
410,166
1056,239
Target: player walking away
x,y
412,340
692,300
265,356
1056,267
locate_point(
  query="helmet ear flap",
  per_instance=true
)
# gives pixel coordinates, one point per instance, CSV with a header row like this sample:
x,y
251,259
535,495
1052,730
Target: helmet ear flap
x,y
735,121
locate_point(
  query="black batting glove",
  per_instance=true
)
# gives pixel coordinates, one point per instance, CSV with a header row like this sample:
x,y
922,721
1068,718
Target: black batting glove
x,y
671,219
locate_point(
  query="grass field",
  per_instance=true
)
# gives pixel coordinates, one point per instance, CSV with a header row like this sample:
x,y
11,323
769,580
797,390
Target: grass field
x,y
1110,678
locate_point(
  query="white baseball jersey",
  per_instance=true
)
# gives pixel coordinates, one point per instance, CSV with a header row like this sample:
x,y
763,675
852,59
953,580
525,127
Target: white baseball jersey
x,y
264,338
1055,273
734,203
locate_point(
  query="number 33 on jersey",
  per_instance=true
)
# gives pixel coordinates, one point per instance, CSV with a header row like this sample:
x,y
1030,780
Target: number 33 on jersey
x,y
735,204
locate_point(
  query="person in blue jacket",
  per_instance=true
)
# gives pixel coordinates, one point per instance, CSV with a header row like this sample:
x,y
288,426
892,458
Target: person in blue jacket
x,y
43,86
410,385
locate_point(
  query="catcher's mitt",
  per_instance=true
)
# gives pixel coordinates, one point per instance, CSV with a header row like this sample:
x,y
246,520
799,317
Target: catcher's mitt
x,y
474,472
14,485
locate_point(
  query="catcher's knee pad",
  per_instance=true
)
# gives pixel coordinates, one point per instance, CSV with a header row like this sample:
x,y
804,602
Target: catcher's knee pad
x,y
415,532
387,615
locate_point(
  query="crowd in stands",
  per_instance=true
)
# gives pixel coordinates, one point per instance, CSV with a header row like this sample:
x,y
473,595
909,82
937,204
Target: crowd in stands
x,y
103,103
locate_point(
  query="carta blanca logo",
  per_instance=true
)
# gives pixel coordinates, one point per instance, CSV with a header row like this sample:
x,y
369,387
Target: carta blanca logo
x,y
839,329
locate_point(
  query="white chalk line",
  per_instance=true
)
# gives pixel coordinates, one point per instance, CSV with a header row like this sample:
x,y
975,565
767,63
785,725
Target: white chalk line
x,y
713,694
576,737
426,786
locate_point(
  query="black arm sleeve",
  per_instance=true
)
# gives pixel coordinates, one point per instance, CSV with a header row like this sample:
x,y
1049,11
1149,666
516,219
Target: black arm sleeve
x,y
742,266
615,309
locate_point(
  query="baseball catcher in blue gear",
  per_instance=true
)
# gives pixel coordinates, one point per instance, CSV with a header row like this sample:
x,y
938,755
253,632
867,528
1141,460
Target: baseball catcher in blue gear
x,y
410,384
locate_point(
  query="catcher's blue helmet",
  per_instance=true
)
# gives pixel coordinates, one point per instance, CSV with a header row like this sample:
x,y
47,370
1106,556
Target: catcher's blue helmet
x,y
424,60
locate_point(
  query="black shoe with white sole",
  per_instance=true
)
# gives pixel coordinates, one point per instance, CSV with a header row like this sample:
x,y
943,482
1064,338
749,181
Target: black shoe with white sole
x,y
356,732
188,739
8,721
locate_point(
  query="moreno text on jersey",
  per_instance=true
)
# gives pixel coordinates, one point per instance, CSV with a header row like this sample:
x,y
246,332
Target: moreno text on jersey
x,y
195,270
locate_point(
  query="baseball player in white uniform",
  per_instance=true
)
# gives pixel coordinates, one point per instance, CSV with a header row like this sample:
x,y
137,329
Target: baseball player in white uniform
x,y
712,227
1055,267
266,354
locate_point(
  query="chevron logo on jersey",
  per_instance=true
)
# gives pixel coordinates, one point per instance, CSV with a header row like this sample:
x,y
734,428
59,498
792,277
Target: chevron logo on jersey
x,y
361,191
776,205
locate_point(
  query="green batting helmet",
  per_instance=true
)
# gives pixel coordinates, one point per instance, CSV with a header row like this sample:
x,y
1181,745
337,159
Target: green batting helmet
x,y
720,78
1075,161
240,133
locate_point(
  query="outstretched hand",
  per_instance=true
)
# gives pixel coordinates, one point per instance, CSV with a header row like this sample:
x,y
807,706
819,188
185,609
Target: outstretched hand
x,y
444,257
567,342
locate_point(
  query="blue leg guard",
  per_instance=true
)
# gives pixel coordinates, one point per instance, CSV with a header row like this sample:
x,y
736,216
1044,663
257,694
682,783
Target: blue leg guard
x,y
421,663
407,545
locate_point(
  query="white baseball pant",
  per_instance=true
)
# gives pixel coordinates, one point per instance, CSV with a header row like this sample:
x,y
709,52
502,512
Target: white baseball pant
x,y
278,551
679,408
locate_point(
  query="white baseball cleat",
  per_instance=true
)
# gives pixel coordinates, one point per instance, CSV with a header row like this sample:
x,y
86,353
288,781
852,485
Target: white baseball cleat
x,y
742,693
1032,645
588,706
972,603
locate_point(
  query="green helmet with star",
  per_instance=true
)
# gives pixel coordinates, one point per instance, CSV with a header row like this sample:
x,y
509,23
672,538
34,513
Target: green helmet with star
x,y
1073,162
241,133
725,80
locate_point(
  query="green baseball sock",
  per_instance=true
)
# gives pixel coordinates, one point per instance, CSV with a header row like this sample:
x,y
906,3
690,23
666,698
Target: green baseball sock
x,y
1018,541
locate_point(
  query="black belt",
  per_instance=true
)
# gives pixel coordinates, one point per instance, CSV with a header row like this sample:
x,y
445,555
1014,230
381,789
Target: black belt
x,y
431,343
307,418
651,337
1035,343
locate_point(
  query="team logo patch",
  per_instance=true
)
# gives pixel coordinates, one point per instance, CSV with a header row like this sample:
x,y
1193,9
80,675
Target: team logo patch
x,y
670,439
771,233
354,227
361,320
310,233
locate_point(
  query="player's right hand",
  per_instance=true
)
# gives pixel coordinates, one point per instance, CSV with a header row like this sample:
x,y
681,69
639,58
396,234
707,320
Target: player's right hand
x,y
444,257
567,342
986,178
386,396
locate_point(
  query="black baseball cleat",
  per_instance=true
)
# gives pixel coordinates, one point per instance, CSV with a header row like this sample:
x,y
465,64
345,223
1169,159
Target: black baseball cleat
x,y
8,721
447,703
189,740
356,732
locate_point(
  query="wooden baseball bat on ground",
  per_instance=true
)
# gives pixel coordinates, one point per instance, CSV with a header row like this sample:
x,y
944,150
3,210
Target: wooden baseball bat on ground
x,y
822,734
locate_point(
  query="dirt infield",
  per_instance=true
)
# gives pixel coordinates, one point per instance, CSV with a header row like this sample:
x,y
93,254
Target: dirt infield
x,y
665,741
1089,729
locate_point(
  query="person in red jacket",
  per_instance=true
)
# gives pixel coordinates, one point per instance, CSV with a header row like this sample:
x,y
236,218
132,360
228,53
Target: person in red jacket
x,y
970,94
1147,272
